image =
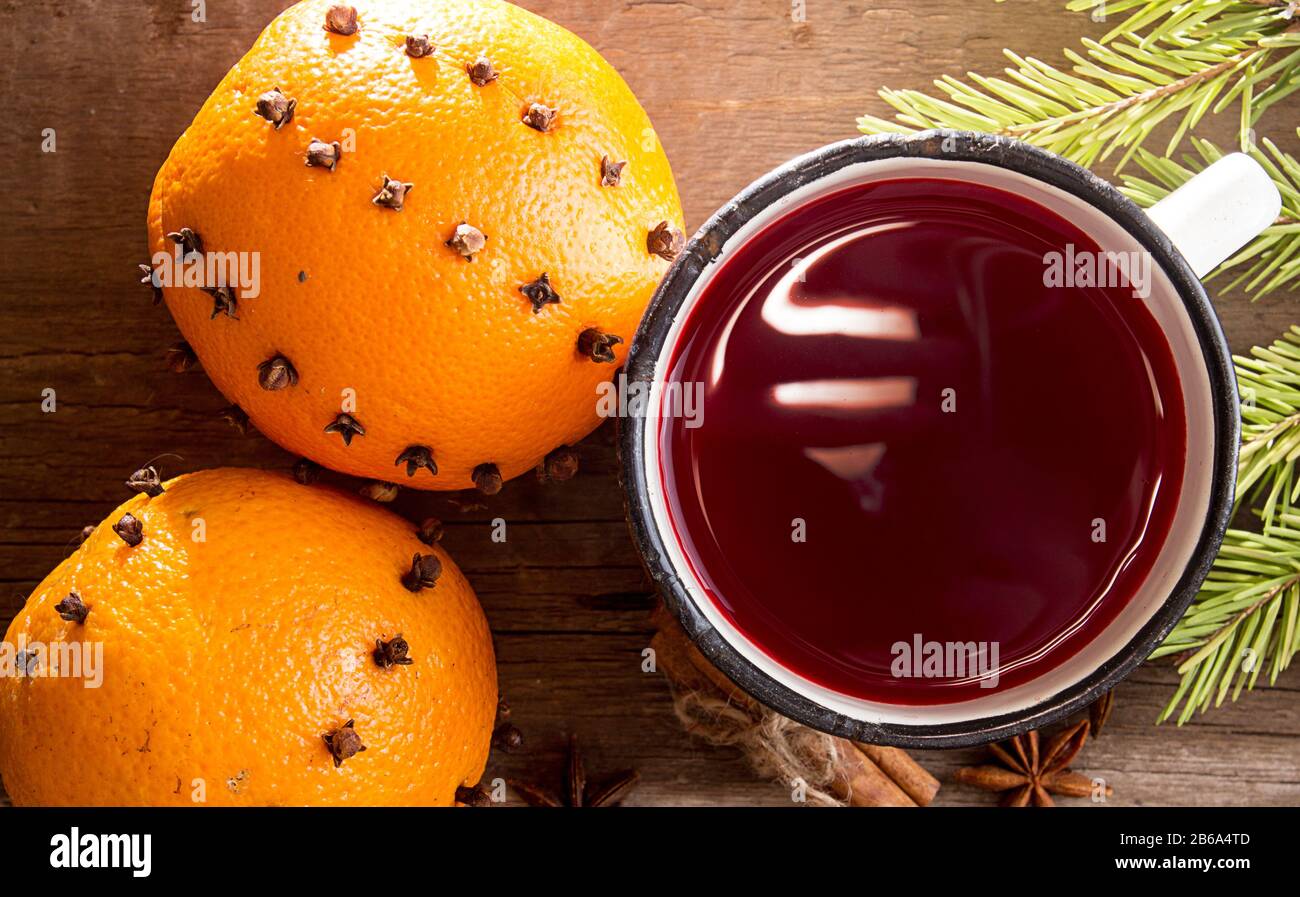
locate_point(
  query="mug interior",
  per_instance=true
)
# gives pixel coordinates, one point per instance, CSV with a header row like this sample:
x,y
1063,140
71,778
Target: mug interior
x,y
1194,500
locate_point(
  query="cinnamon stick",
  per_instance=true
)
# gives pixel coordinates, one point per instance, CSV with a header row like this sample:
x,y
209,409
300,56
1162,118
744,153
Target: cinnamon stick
x,y
677,655
867,775
865,783
909,775
670,657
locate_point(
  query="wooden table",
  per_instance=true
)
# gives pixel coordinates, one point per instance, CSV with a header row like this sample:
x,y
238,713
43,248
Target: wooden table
x,y
734,87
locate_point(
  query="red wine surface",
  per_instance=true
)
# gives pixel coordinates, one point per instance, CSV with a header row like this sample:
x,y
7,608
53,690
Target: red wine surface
x,y
906,437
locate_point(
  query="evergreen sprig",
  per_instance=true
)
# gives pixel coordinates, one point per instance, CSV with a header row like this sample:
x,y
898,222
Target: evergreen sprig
x,y
1272,260
1168,60
1246,617
1196,56
1176,61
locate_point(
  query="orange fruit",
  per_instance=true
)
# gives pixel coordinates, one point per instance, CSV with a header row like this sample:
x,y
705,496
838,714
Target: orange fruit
x,y
536,206
253,621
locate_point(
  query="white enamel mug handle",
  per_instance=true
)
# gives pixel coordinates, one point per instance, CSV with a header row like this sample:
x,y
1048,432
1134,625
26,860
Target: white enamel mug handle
x,y
1218,211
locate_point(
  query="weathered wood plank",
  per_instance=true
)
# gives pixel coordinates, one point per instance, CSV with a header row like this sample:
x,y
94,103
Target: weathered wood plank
x,y
623,717
734,87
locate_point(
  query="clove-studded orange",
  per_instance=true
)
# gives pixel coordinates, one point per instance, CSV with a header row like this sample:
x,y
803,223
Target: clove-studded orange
x,y
443,198
263,643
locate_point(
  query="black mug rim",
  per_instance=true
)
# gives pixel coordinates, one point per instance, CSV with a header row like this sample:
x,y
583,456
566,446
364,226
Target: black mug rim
x,y
1005,153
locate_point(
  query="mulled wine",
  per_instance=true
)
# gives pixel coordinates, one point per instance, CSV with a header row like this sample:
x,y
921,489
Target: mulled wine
x,y
915,434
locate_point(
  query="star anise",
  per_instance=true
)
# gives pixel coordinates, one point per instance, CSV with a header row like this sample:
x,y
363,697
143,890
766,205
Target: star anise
x,y
1030,776
1100,712
577,793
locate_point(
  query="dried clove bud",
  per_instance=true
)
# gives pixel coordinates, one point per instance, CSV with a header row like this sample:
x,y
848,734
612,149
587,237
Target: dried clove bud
x,y
306,471
415,457
424,572
561,464
467,240
393,194
665,241
343,743
145,480
539,117
508,738
418,46
188,240
276,373
72,608
276,108
236,417
26,663
341,20
481,72
611,172
540,292
380,491
223,300
430,531
151,277
393,652
346,426
598,345
487,478
324,155
180,358
130,530
472,797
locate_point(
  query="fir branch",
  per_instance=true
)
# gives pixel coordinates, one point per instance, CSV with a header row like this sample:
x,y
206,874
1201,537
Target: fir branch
x,y
1177,60
1168,60
1195,56
1115,110
1246,617
1272,260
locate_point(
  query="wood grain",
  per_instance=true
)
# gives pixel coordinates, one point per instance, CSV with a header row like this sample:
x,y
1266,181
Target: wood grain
x,y
734,87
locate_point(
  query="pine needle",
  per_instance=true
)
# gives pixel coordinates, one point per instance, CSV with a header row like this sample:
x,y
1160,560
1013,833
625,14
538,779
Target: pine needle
x,y
1243,621
1272,260
1176,61
1165,61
